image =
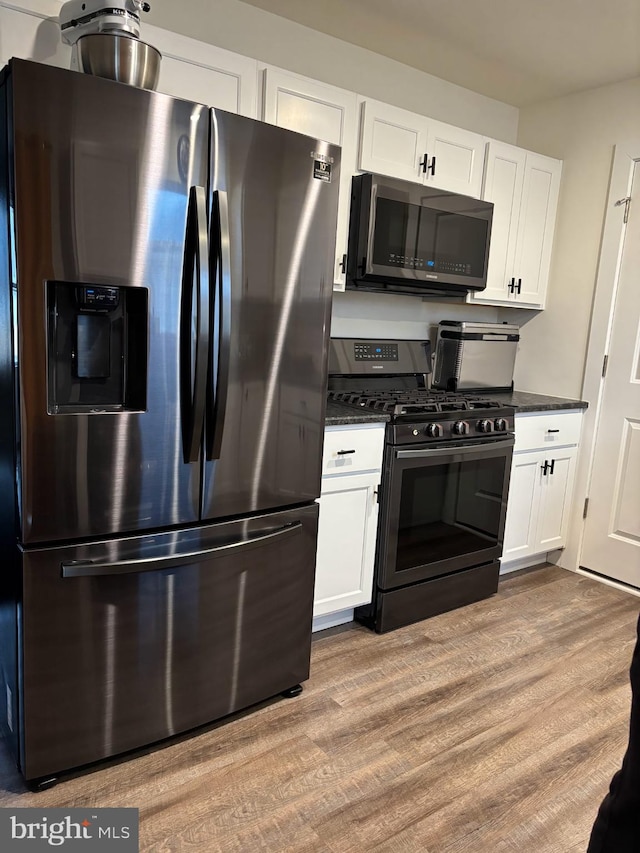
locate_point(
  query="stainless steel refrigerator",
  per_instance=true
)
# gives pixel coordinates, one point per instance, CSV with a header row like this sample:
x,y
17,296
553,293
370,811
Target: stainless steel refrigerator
x,y
166,274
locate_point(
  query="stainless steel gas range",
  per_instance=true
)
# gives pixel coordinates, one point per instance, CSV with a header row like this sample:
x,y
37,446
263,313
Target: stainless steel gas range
x,y
445,480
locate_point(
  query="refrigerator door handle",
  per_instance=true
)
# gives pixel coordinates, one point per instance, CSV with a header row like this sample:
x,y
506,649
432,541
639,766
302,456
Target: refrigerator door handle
x,y
193,362
220,355
98,568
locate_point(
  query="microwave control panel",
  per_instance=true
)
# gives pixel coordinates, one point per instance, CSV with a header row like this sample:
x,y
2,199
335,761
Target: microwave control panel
x,y
375,352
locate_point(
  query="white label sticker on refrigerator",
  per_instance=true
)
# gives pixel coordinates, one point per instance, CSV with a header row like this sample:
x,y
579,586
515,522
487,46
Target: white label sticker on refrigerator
x,y
322,171
9,709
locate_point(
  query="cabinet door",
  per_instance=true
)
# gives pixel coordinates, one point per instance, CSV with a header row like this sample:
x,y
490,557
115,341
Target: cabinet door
x,y
393,141
535,228
324,112
555,498
503,179
455,158
522,507
208,75
346,542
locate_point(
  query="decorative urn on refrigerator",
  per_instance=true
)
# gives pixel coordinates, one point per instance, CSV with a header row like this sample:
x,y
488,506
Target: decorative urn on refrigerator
x,y
166,276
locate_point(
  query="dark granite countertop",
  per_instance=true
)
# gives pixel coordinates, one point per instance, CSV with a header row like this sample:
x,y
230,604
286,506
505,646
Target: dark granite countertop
x,y
522,401
339,413
525,401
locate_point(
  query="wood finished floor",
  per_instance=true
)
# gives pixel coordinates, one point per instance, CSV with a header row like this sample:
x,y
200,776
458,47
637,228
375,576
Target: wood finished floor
x,y
493,728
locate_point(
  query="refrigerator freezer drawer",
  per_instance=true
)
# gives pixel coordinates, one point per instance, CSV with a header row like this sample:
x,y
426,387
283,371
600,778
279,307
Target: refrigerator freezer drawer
x,y
131,641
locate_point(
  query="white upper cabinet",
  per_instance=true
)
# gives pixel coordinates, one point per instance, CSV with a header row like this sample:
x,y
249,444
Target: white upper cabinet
x,y
206,74
524,189
412,147
324,112
536,226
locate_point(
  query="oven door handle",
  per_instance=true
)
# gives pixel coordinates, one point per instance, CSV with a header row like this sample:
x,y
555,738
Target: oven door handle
x,y
466,450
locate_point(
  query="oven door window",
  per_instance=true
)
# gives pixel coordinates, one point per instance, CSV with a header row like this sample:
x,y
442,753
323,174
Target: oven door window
x,y
444,513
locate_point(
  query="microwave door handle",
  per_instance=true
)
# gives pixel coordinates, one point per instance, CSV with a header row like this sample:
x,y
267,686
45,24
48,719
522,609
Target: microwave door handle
x,y
193,363
221,352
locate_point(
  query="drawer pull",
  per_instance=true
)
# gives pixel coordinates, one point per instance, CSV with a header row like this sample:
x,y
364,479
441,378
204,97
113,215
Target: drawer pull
x,y
553,430
345,452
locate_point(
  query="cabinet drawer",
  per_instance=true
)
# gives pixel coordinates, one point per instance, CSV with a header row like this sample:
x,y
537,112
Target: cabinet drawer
x,y
350,449
535,431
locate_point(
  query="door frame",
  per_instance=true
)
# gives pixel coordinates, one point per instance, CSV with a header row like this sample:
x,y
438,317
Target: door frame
x,y
626,156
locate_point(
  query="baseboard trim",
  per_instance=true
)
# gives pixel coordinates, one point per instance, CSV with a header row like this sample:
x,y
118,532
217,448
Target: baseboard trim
x,y
330,620
623,587
522,563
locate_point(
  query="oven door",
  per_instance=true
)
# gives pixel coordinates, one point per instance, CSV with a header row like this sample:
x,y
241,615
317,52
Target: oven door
x,y
443,509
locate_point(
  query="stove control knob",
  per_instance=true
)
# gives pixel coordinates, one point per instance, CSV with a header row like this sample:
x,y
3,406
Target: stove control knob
x,y
415,432
460,428
485,425
433,430
500,424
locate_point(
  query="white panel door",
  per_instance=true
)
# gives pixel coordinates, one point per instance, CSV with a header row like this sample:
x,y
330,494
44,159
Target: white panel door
x,y
455,158
611,544
324,112
536,227
556,487
346,542
393,141
522,507
503,179
206,74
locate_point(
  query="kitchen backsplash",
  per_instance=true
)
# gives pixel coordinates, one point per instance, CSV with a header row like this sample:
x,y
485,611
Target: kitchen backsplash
x,y
374,315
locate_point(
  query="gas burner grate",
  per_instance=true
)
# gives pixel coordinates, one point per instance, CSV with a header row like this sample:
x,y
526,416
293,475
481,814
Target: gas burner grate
x,y
419,402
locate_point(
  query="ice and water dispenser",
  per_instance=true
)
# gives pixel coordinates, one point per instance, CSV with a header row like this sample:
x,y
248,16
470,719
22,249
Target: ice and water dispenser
x,y
97,348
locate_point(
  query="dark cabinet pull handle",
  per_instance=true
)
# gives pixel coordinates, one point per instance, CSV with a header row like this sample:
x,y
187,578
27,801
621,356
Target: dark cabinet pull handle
x,y
432,166
553,430
511,286
424,163
519,286
552,466
345,452
545,468
343,264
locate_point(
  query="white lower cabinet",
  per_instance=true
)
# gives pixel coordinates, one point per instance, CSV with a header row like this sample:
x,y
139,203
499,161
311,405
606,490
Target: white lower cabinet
x,y
541,487
352,464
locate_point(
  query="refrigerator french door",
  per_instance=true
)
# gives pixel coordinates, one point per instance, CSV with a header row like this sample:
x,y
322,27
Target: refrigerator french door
x,y
168,276
165,304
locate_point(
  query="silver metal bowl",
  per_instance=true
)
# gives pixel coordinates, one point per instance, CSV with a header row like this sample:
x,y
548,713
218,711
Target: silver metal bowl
x,y
119,57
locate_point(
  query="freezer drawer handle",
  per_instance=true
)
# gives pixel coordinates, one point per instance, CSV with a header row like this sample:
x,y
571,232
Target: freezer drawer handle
x,y
95,568
220,356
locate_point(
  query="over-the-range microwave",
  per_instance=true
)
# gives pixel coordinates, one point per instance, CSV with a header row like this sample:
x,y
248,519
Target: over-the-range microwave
x,y
411,238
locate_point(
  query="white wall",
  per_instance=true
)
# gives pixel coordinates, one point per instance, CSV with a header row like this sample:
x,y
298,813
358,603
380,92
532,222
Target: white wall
x,y
384,315
582,130
275,40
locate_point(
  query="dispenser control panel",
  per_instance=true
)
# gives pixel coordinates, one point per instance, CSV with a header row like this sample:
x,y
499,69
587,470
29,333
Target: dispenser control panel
x,y
92,298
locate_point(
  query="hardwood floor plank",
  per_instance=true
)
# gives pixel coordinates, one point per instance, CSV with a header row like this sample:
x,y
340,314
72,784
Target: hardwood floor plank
x,y
490,729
